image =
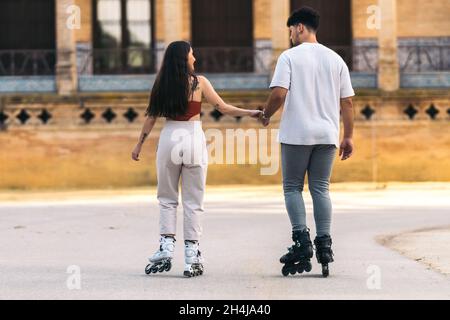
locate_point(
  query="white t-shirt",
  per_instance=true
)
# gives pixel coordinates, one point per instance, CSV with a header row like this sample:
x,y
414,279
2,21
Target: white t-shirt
x,y
317,78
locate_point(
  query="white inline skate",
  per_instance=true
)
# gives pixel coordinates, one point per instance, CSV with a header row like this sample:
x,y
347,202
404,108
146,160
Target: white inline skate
x,y
162,258
192,259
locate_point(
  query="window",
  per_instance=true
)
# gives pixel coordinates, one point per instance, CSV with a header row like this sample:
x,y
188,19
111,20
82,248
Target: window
x,y
27,37
123,36
222,35
335,30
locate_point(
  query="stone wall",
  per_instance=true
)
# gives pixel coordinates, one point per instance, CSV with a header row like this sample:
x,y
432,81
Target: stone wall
x,y
416,24
98,110
416,18
86,141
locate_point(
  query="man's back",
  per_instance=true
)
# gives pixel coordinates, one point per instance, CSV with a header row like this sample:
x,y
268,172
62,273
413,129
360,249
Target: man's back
x,y
310,80
317,78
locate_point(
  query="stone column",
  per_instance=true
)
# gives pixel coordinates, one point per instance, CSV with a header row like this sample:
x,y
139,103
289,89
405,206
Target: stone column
x,y
160,32
170,20
262,35
280,11
83,37
173,20
186,20
388,67
66,70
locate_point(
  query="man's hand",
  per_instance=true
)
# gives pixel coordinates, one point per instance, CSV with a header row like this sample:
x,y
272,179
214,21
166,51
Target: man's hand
x,y
262,118
265,121
346,148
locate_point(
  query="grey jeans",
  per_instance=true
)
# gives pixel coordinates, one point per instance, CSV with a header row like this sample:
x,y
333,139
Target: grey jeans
x,y
317,161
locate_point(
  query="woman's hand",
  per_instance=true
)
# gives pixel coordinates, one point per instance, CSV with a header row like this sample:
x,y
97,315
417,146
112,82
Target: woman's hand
x,y
255,113
136,151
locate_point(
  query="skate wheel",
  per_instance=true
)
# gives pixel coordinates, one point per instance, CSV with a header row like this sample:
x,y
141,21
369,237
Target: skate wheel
x,y
292,270
196,270
168,266
148,269
161,268
154,269
300,268
187,274
308,267
325,271
285,271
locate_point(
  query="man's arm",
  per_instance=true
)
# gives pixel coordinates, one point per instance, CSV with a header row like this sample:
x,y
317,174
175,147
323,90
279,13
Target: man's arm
x,y
275,101
346,149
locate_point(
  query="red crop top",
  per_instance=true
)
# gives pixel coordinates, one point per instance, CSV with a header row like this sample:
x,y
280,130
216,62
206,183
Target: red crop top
x,y
193,109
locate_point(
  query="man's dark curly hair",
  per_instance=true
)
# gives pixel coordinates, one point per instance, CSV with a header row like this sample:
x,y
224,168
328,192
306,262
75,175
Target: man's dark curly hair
x,y
306,16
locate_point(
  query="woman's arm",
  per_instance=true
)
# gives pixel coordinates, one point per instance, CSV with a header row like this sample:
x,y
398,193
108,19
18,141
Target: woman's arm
x,y
213,98
146,129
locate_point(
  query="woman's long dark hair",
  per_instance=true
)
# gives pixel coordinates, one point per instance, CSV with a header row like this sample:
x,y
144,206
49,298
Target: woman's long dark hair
x,y
171,90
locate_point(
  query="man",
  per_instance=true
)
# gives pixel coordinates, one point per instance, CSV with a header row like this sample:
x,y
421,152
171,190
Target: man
x,y
314,84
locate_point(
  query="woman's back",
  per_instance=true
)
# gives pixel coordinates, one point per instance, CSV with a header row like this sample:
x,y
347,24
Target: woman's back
x,y
194,105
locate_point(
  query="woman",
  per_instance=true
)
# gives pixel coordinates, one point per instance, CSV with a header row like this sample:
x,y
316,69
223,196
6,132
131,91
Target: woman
x,y
181,152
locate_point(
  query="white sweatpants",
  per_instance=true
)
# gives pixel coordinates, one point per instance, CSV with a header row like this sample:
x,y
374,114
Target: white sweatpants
x,y
181,153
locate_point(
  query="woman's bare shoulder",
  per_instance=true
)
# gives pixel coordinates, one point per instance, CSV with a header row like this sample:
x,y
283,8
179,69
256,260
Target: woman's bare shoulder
x,y
203,81
201,78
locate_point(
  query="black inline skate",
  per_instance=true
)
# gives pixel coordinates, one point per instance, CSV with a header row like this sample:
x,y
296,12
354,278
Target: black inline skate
x,y
324,254
298,258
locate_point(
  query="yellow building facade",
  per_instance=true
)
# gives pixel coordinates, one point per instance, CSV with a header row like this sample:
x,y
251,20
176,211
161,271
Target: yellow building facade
x,y
72,71
388,44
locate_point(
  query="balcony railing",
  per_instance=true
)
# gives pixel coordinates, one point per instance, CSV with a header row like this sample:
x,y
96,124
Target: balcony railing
x,y
233,59
422,58
117,61
208,59
27,62
364,58
412,58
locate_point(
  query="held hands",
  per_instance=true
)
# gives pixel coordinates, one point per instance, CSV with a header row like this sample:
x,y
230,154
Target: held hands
x,y
346,148
136,151
255,113
265,120
262,117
